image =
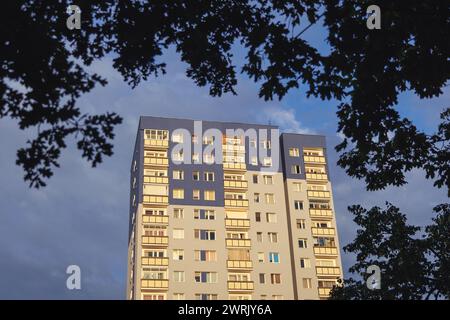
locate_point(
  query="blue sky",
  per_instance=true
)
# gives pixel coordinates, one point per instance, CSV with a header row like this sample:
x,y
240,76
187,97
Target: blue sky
x,y
81,217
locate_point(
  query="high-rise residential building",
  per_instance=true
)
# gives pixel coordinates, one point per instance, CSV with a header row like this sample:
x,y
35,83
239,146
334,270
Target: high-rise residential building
x,y
229,211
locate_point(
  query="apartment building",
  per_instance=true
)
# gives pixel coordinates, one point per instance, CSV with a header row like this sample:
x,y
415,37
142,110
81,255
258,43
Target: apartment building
x,y
229,211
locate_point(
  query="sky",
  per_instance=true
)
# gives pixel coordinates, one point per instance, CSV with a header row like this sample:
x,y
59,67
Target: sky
x,y
81,217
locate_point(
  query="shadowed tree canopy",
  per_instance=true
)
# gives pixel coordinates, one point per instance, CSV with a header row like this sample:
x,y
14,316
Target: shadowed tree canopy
x,y
44,70
414,261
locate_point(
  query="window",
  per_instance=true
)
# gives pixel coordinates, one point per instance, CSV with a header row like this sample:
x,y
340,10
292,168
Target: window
x,y
178,193
307,283
301,224
134,182
268,179
263,297
277,297
298,205
178,233
275,278
178,254
294,152
208,158
204,234
258,216
255,178
178,296
302,243
208,140
305,263
274,257
205,296
270,199
196,194
254,161
271,217
260,256
266,144
256,197
194,138
178,213
297,186
195,157
196,176
209,195
206,277
178,174
208,176
295,169
205,255
178,276
153,297
262,278
267,162
203,214
259,237
177,137
273,237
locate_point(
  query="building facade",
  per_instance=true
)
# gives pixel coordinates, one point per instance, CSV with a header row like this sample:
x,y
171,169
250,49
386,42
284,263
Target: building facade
x,y
229,211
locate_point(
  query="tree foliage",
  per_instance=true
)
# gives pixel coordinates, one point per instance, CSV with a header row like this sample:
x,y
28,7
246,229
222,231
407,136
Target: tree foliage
x,y
44,70
414,261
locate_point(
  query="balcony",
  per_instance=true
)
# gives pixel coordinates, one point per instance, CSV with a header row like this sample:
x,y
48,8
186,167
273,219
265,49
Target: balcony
x,y
240,285
156,143
238,243
325,251
156,161
314,159
154,283
155,240
328,271
239,264
324,292
156,199
318,194
322,213
235,184
154,179
155,219
237,223
151,261
239,166
316,176
323,231
243,203
233,148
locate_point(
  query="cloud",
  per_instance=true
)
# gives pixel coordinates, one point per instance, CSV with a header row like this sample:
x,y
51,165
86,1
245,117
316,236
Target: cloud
x,y
284,118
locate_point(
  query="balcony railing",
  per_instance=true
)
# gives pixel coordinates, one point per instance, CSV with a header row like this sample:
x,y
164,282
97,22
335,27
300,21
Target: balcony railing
x,y
153,179
156,143
155,283
236,203
326,213
328,251
324,292
316,176
323,231
328,271
155,240
314,159
237,223
318,194
240,285
233,148
234,166
151,261
239,184
238,242
239,264
156,161
155,219
156,199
